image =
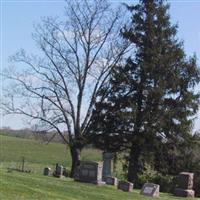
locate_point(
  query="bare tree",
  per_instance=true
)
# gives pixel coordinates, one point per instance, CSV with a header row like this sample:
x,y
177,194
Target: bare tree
x,y
57,90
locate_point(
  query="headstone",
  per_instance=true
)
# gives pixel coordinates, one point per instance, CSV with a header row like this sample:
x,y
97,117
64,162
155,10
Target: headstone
x,y
107,164
66,172
47,171
185,180
111,181
125,186
58,171
185,185
90,172
150,189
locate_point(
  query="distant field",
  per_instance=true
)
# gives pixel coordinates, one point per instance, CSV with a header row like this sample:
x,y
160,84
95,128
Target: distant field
x,y
37,156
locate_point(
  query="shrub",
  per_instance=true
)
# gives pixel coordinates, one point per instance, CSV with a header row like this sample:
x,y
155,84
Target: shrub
x,y
167,182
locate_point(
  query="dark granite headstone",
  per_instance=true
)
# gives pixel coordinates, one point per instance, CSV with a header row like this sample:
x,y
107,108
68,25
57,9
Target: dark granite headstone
x,y
150,189
90,172
185,180
111,181
47,171
107,164
125,186
185,185
58,171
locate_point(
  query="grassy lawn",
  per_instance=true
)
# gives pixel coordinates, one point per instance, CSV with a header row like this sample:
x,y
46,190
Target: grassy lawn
x,y
22,186
34,186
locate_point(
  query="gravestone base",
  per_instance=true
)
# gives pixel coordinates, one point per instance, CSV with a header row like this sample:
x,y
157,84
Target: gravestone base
x,y
184,193
111,181
93,182
100,183
125,186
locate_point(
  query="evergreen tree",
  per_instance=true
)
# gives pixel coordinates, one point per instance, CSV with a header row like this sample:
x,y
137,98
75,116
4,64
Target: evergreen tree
x,y
150,100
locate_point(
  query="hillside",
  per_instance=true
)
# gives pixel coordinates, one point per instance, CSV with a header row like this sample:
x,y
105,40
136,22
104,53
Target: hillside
x,y
37,155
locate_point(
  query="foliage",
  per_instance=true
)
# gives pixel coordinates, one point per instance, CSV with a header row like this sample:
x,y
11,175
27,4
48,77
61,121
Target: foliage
x,y
167,183
151,102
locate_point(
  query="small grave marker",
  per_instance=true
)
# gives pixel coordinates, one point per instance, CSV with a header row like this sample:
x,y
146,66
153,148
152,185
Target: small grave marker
x,y
125,186
150,189
111,181
47,171
58,171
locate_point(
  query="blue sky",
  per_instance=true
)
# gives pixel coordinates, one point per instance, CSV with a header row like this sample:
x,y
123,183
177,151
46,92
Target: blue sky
x,y
18,17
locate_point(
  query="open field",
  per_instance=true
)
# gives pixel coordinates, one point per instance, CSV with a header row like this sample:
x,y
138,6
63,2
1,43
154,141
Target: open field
x,y
34,186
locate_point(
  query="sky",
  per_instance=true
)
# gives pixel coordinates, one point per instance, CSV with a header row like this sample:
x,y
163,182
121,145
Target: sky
x,y
18,16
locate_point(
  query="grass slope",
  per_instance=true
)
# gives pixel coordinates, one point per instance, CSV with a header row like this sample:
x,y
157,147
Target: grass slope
x,y
37,155
21,186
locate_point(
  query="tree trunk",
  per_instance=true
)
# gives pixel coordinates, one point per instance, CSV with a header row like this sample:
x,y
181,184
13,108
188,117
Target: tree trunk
x,y
76,156
134,164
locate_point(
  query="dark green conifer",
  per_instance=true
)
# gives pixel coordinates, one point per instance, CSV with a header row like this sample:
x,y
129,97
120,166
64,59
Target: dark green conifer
x,y
151,99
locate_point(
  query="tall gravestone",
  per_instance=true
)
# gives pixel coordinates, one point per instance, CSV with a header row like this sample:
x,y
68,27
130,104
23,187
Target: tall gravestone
x,y
185,185
90,172
107,164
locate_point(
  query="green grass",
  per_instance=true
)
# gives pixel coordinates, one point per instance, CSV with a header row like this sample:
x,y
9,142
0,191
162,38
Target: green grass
x,y
34,186
37,155
22,186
